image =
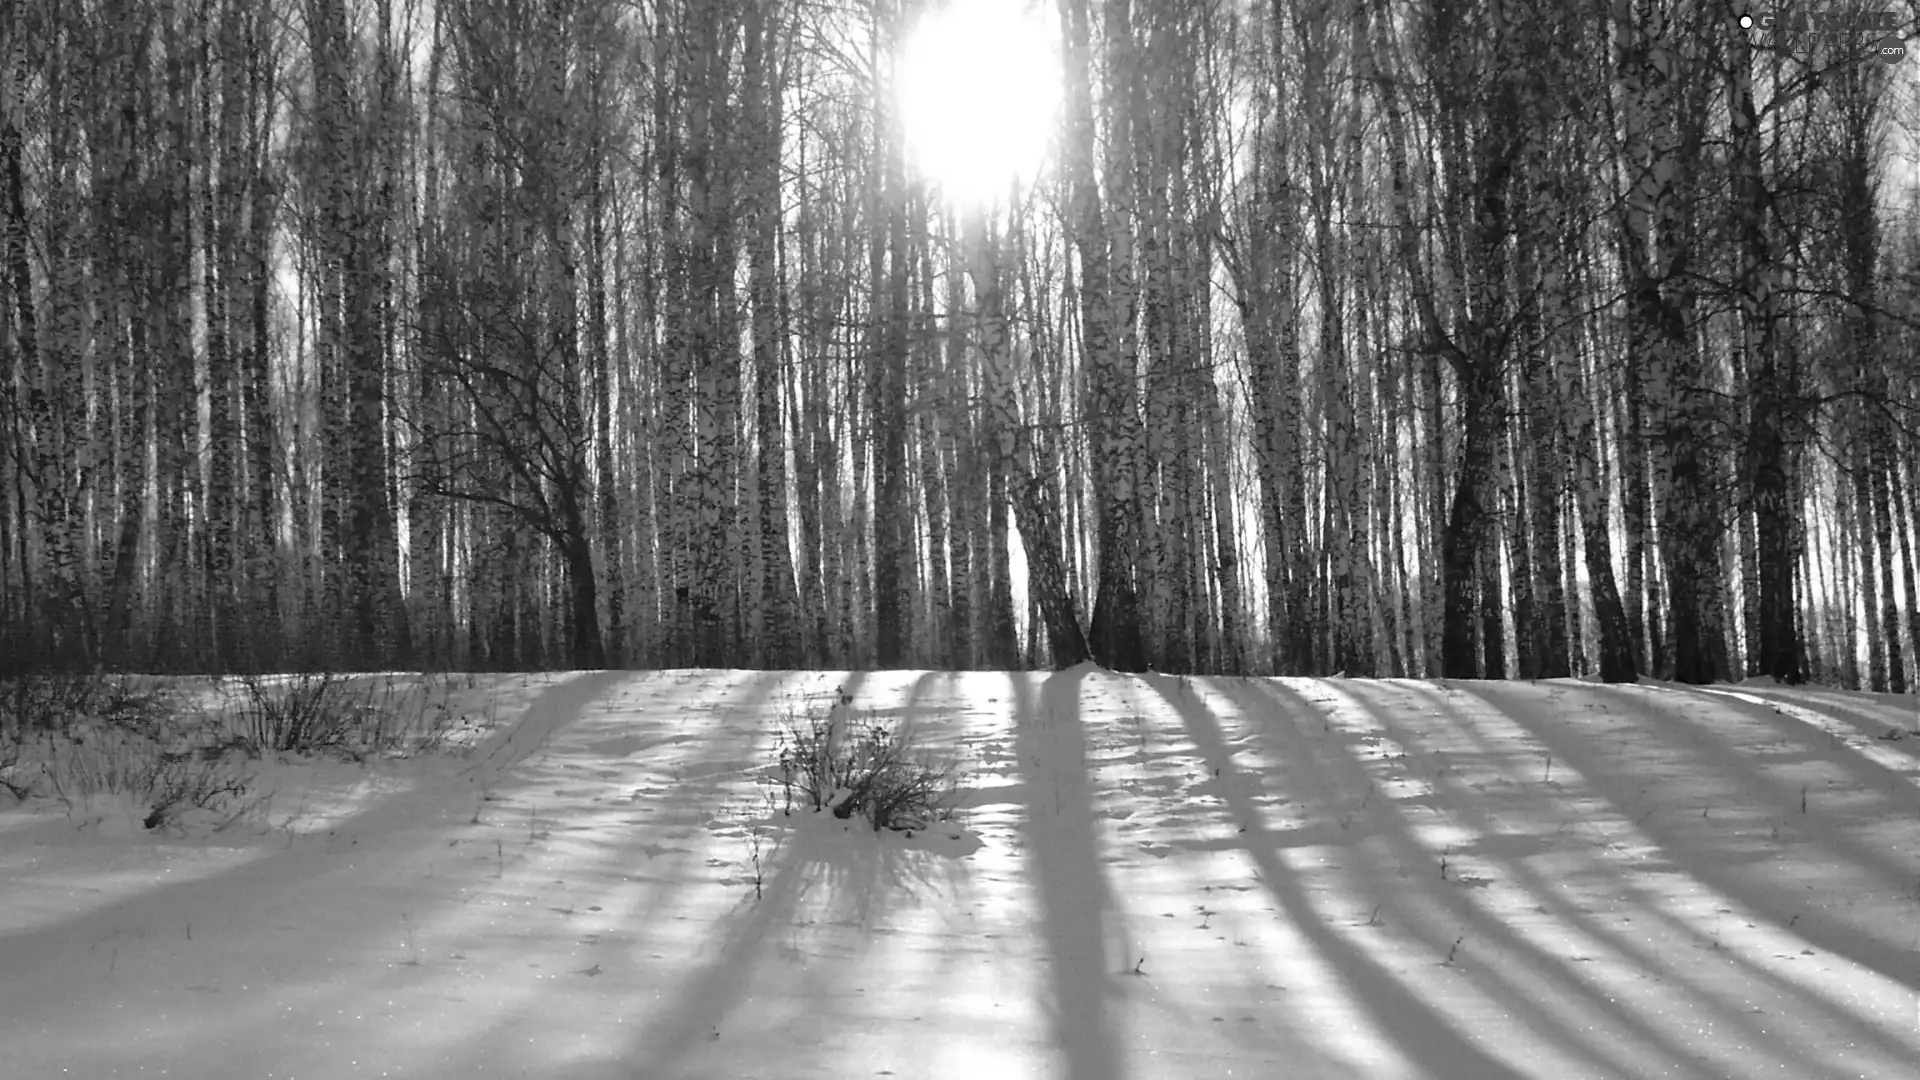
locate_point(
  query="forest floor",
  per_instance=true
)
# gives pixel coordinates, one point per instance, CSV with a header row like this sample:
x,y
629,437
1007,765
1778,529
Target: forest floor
x,y
1152,877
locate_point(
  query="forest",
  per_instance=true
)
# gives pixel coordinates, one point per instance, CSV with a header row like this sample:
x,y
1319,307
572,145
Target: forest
x,y
1425,338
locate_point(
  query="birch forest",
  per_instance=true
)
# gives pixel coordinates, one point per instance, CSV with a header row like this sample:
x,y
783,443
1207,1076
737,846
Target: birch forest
x,y
1424,338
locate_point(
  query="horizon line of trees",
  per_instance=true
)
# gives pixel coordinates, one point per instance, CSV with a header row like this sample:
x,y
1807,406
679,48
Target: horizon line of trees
x,y
1432,338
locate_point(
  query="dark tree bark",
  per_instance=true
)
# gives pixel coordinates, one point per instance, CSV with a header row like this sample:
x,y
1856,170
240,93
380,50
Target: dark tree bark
x,y
1771,389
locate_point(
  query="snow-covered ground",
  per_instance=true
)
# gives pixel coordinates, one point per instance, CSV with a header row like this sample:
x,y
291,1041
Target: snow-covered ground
x,y
1157,877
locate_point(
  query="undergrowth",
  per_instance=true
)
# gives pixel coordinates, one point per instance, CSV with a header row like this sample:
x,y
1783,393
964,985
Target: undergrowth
x,y
836,760
325,713
169,749
164,785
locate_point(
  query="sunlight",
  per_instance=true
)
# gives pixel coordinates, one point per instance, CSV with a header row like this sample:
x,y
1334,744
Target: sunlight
x,y
978,83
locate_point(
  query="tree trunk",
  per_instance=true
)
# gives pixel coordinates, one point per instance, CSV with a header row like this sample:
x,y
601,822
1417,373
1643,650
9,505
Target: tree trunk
x,y
892,513
779,605
1262,264
1115,634
942,640
1586,448
1012,440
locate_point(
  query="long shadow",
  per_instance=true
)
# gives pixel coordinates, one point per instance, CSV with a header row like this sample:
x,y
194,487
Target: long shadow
x,y
1890,786
862,881
916,712
704,998
1386,821
1773,904
1894,782
1423,1034
1869,717
1827,1012
795,868
285,872
1685,734
720,744
1065,862
1282,1035
391,833
1548,899
554,708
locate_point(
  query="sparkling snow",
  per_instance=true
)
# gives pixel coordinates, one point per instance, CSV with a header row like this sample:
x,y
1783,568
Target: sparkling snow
x,y
1152,877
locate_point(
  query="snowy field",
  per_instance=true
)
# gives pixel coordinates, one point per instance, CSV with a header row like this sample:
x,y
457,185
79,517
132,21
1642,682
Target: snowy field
x,y
1152,878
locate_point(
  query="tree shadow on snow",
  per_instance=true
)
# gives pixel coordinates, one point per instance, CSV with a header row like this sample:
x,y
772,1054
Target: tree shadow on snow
x,y
386,832
1691,843
1423,1034
286,871
820,872
1064,861
1518,967
1694,980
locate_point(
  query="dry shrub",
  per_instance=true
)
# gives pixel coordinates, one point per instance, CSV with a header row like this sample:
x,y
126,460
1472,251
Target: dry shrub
x,y
837,761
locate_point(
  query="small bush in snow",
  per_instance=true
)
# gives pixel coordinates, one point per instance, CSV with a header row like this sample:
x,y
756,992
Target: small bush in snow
x,y
304,714
82,734
34,704
19,778
849,765
328,713
79,738
111,762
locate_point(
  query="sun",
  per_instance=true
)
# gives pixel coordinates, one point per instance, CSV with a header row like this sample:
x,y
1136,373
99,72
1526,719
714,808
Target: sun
x,y
978,84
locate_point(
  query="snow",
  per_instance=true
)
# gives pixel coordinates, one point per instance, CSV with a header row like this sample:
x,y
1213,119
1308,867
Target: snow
x,y
1153,876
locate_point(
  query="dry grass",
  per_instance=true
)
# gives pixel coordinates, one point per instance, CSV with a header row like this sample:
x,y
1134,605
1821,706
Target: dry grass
x,y
170,747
